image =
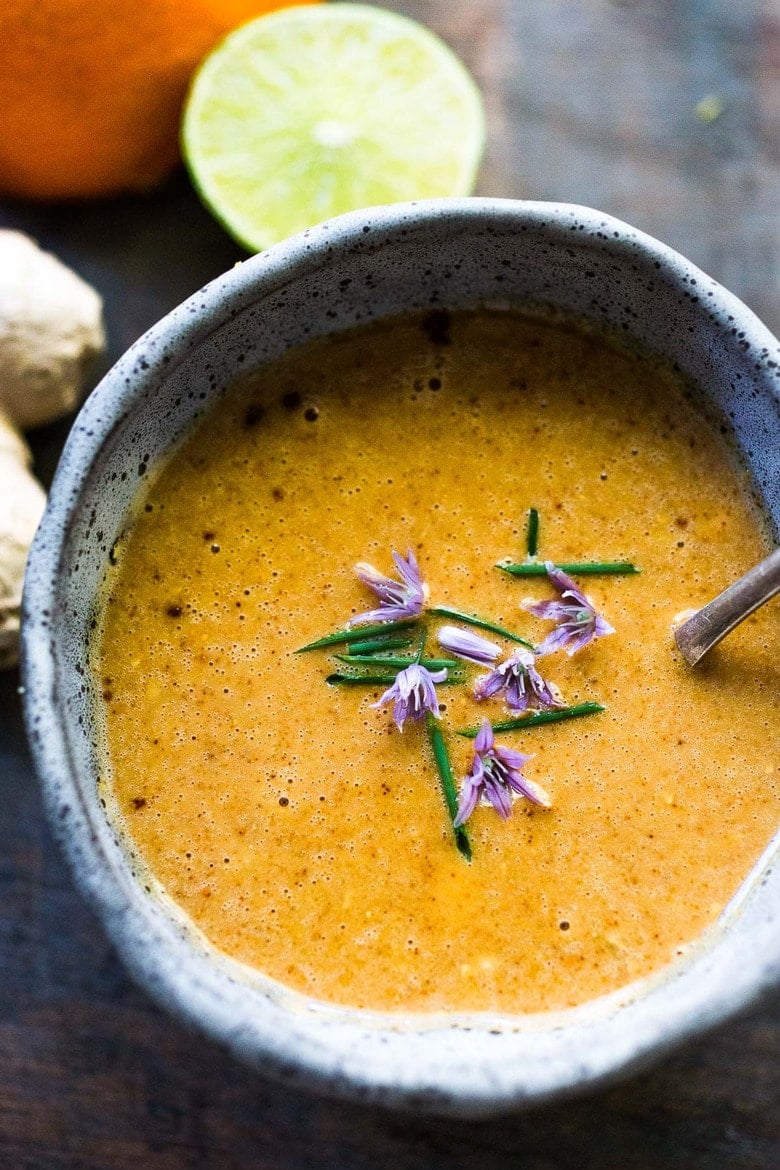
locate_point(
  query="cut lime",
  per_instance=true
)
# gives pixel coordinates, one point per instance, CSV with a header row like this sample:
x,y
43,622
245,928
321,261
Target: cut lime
x,y
312,111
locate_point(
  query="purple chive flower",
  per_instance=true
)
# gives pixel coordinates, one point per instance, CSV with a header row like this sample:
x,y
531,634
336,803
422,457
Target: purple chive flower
x,y
496,773
467,645
397,599
413,693
522,682
577,621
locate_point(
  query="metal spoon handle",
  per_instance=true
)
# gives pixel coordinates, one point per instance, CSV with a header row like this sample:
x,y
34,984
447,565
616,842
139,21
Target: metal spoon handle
x,y
719,617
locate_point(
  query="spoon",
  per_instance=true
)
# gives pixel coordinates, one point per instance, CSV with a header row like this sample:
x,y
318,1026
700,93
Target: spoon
x,y
708,625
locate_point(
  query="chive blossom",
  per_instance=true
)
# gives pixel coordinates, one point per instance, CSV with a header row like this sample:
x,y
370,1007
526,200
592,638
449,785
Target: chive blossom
x,y
496,774
577,622
468,646
521,682
397,599
413,694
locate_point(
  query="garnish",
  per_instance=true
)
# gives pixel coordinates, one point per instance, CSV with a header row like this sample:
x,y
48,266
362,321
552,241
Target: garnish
x,y
539,717
583,568
413,694
467,645
524,686
532,532
400,662
517,675
496,773
378,645
397,599
370,658
343,637
577,622
444,769
339,678
481,624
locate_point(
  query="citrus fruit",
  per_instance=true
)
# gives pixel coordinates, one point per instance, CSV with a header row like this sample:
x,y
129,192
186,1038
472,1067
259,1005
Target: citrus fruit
x,y
91,90
309,112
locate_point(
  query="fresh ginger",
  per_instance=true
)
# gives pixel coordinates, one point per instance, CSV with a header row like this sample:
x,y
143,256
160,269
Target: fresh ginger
x,y
51,331
22,500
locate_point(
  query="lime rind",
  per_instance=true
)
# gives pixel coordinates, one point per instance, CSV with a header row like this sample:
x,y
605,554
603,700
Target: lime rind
x,y
309,112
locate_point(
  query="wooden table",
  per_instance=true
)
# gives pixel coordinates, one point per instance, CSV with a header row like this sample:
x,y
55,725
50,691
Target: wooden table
x,y
607,104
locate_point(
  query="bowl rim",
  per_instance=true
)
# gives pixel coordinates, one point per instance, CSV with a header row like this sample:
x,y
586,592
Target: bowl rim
x,y
120,902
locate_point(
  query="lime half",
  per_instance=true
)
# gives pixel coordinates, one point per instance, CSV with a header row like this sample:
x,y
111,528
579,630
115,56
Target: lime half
x,y
313,111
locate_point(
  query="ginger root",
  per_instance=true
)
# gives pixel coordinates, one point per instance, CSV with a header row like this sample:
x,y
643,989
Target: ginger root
x,y
22,500
51,330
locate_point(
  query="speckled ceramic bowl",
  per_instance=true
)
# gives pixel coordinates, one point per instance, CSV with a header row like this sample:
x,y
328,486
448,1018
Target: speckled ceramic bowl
x,y
362,266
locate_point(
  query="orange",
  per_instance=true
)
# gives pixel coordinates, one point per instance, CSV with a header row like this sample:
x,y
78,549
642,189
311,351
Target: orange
x,y
91,90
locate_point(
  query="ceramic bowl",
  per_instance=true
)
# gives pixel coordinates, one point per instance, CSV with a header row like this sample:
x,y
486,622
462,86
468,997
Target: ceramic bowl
x,y
352,269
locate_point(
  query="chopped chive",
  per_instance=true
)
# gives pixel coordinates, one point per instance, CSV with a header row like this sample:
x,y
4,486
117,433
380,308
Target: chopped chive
x,y
575,568
400,662
532,536
377,645
444,768
575,712
421,648
360,632
380,680
480,623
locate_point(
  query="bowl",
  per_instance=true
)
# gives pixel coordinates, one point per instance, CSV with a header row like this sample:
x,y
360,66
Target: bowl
x,y
362,266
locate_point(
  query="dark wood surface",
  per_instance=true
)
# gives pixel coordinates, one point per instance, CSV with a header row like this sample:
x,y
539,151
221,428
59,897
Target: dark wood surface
x,y
588,101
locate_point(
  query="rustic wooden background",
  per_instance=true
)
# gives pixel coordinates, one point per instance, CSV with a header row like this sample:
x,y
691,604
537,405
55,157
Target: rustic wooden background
x,y
589,101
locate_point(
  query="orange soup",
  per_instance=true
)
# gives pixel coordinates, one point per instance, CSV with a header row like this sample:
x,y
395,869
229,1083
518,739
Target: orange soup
x,y
287,815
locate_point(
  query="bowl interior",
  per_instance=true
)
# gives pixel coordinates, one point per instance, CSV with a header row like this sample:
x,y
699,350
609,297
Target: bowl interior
x,y
362,267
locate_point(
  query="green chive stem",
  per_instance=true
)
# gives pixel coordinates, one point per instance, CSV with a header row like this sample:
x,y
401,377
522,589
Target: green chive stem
x,y
421,648
400,662
480,623
532,535
444,768
380,680
377,646
575,568
540,717
360,632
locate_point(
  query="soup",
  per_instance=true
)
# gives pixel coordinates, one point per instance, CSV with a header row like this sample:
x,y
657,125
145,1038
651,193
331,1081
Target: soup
x,y
287,815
